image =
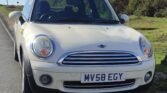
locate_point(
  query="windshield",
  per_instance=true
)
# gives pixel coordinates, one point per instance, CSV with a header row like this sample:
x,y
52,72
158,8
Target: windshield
x,y
73,11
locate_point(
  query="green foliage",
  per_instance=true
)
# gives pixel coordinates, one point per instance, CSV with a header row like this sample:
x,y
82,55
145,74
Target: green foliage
x,y
6,10
119,5
132,5
161,13
150,8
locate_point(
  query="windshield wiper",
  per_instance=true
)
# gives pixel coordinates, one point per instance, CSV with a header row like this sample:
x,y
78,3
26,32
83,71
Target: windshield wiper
x,y
82,20
73,20
106,21
96,21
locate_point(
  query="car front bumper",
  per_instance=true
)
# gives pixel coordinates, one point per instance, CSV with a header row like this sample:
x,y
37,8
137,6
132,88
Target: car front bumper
x,y
60,74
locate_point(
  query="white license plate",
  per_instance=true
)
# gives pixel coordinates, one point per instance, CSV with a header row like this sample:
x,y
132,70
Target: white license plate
x,y
102,77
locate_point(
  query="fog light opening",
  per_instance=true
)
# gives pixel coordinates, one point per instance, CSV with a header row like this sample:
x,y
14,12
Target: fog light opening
x,y
148,76
45,79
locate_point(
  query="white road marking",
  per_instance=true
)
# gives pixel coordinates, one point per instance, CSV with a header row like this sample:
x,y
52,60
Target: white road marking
x,y
7,30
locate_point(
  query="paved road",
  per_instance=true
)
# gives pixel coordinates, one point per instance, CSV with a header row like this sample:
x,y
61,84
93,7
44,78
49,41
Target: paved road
x,y
10,74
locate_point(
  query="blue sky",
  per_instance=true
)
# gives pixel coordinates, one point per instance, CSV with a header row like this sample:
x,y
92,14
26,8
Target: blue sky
x,y
11,2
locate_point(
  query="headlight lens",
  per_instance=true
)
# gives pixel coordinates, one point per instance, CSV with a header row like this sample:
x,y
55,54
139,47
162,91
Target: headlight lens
x,y
146,47
42,46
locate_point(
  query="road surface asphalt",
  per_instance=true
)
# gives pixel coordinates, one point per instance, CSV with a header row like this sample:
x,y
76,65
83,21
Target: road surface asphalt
x,y
10,71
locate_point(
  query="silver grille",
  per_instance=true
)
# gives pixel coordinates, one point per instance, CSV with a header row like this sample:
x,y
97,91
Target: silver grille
x,y
100,58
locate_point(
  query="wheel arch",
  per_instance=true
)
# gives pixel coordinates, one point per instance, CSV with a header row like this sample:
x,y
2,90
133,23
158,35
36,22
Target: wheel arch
x,y
29,74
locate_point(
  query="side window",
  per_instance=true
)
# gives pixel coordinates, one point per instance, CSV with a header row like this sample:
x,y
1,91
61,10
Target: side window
x,y
27,8
103,10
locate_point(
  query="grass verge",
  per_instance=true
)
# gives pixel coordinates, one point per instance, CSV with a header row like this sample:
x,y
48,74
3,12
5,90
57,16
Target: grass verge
x,y
6,10
155,29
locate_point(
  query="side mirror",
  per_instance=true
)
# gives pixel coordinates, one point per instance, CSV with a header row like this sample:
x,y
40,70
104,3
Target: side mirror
x,y
15,15
124,18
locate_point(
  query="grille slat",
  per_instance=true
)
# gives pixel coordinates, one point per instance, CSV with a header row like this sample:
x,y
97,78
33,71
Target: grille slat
x,y
78,85
100,58
104,61
99,55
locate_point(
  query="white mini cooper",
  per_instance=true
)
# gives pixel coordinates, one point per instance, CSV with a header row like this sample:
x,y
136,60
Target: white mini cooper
x,y
79,46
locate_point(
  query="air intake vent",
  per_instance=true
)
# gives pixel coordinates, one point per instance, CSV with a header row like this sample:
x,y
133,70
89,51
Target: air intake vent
x,y
78,85
100,58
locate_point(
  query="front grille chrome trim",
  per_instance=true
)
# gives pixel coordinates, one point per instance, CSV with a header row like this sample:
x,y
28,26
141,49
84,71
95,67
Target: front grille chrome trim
x,y
79,55
96,58
100,58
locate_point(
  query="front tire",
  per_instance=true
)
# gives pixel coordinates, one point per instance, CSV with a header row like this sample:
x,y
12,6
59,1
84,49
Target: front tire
x,y
25,84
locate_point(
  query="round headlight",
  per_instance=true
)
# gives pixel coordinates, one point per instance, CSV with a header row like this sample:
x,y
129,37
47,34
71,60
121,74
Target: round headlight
x,y
42,46
146,47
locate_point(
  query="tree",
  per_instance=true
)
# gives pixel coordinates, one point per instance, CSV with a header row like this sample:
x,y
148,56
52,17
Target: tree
x,y
141,7
119,5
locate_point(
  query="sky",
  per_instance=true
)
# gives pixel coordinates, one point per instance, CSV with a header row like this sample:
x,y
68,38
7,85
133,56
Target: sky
x,y
11,2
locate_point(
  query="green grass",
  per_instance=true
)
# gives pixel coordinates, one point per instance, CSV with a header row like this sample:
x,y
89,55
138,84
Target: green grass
x,y
155,29
5,10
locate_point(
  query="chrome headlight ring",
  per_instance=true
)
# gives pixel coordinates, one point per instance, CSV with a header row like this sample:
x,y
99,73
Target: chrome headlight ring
x,y
42,46
146,47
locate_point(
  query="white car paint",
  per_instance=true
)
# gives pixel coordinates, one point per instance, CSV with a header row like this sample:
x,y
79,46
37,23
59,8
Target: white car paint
x,y
70,38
